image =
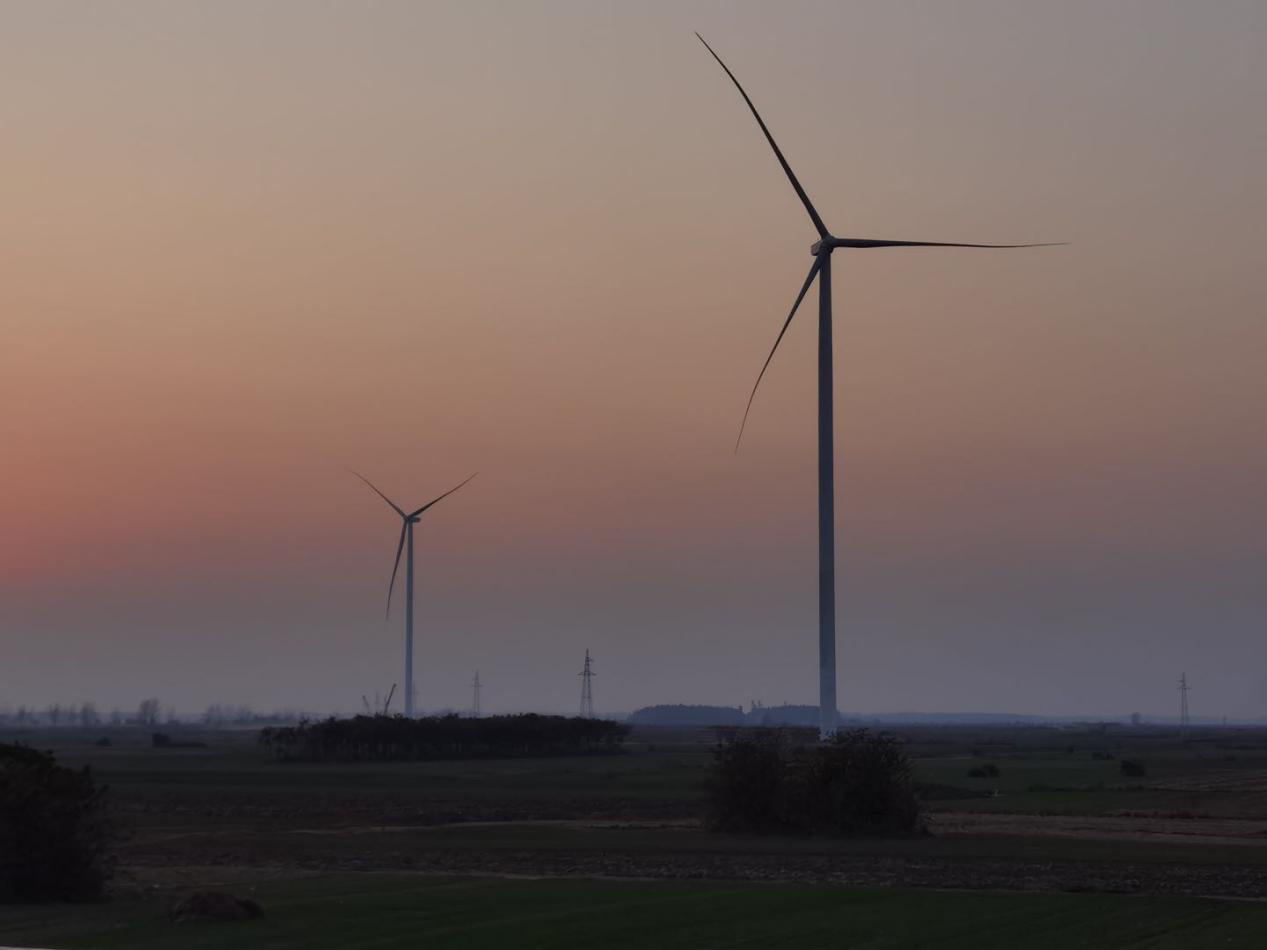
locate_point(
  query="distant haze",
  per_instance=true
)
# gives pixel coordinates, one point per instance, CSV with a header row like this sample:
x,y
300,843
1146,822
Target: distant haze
x,y
244,246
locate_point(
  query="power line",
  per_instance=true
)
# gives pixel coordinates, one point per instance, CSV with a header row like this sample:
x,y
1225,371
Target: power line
x,y
1183,704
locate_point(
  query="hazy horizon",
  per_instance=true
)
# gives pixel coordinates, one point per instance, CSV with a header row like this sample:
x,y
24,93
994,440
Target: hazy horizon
x,y
249,246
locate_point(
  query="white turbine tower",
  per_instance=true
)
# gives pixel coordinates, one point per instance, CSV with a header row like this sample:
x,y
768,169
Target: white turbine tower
x,y
408,520
821,270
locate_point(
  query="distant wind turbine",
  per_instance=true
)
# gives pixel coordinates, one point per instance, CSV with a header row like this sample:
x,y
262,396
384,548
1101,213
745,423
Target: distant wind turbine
x,y
408,520
821,268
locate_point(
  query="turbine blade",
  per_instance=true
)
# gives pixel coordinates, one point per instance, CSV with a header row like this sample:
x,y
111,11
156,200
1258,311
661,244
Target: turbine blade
x,y
813,272
865,242
787,169
414,514
395,567
395,507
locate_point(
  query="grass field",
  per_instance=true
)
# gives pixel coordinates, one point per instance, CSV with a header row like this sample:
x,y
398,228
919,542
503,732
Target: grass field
x,y
374,910
1057,849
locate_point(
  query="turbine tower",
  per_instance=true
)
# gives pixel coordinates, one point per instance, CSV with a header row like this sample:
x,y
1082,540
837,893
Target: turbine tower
x,y
587,689
821,269
408,520
475,689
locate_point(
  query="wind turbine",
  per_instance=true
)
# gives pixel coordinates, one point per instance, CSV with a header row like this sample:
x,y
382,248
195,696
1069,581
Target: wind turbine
x,y
821,269
408,520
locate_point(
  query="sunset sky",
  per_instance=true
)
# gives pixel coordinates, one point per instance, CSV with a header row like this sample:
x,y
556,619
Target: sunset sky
x,y
245,246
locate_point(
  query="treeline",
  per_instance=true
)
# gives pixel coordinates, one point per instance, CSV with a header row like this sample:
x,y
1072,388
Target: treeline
x,y
383,738
148,714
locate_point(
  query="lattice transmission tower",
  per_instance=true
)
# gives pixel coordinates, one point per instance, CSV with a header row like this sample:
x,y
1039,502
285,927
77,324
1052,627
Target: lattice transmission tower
x,y
587,688
475,698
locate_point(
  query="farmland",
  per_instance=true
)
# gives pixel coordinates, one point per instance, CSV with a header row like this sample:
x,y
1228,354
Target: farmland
x,y
1016,815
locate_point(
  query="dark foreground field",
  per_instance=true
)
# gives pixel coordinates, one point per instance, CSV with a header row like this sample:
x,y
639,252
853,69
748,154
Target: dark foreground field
x,y
435,853
375,910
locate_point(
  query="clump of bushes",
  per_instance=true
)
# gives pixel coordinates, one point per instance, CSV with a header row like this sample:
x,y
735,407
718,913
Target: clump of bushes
x,y
989,770
1131,769
55,835
384,738
857,784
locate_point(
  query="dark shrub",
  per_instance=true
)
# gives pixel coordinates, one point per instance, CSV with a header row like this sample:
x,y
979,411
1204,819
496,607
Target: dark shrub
x,y
746,786
989,770
160,739
856,784
54,833
1131,769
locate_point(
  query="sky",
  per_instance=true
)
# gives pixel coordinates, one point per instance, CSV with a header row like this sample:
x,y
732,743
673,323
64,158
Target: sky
x,y
245,247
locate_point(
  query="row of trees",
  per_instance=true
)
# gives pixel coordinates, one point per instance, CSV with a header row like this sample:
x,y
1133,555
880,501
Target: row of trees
x,y
149,713
394,738
83,715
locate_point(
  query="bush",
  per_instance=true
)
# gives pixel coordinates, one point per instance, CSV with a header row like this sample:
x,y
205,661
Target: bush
x,y
746,786
856,784
1131,769
54,834
989,770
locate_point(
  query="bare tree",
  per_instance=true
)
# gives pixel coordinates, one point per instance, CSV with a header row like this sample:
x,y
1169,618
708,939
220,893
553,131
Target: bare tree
x,y
147,712
88,716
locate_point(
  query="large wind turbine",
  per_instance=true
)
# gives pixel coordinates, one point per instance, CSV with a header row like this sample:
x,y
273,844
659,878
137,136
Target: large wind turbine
x,y
821,268
408,520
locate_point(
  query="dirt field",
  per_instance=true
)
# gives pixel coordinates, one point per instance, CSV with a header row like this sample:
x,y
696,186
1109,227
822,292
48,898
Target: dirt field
x,y
1058,815
1054,814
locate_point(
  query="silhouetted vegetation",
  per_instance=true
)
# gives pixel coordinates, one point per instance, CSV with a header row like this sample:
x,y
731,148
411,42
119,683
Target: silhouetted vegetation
x,y
147,712
54,833
989,770
394,738
747,785
857,784
1132,769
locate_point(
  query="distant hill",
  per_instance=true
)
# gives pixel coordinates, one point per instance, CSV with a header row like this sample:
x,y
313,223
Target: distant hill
x,y
789,714
966,719
684,715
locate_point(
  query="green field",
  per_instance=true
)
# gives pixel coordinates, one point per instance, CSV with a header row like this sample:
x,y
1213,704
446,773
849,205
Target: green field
x,y
373,910
1057,849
